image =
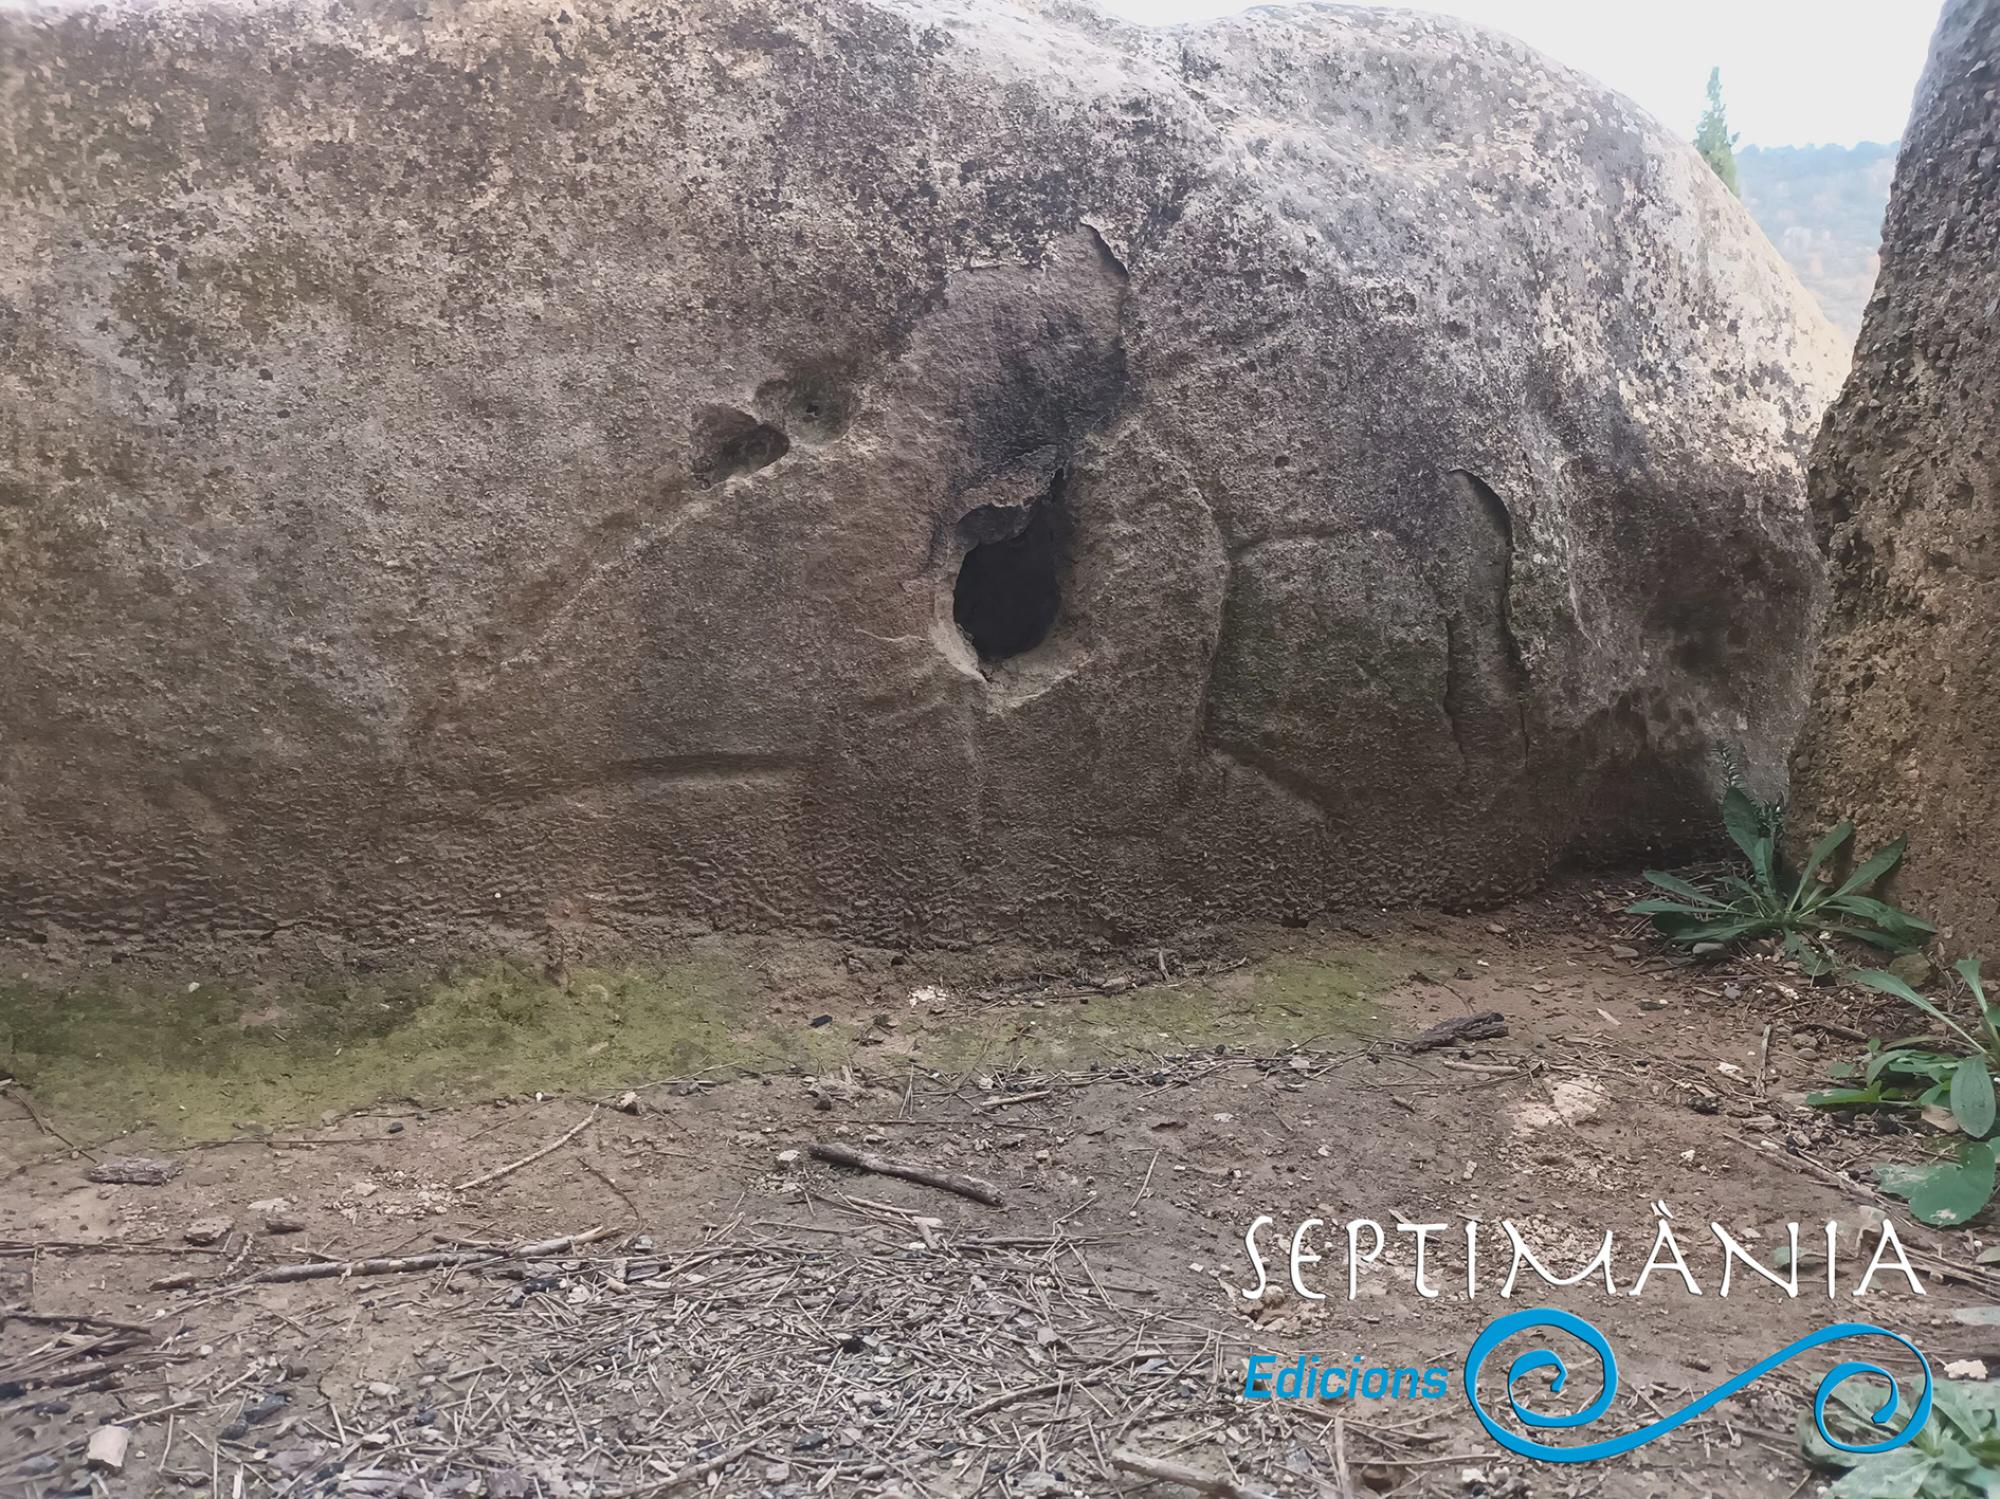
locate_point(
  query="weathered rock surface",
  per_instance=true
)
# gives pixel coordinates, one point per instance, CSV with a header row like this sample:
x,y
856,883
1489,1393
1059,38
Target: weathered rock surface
x,y
494,468
1904,732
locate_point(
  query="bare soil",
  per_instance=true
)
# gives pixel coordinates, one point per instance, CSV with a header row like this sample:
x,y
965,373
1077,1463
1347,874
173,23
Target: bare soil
x,y
750,1322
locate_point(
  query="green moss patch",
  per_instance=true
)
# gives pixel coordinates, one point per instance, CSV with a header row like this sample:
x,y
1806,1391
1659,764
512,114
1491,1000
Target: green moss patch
x,y
207,1061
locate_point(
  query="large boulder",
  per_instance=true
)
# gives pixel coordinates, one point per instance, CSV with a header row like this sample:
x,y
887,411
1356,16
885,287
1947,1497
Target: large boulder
x,y
1904,734
891,465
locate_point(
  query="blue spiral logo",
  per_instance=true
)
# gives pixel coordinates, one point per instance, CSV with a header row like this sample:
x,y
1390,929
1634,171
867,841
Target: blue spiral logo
x,y
1542,1358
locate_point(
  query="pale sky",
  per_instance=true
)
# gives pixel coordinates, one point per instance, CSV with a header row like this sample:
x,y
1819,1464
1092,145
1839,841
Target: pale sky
x,y
1794,72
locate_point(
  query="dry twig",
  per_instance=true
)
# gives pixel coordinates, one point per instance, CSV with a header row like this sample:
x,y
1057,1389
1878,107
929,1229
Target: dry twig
x,y
528,1160
342,1269
929,1176
1489,1025
1162,1471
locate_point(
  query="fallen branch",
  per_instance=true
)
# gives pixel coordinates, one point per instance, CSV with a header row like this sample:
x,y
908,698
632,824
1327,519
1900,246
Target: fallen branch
x,y
134,1171
1489,1026
690,1474
881,1165
1160,1470
77,1319
528,1160
1343,1480
436,1260
1026,1392
1843,1032
340,1269
1008,1100
86,1372
1056,1386
1483,1070
101,1246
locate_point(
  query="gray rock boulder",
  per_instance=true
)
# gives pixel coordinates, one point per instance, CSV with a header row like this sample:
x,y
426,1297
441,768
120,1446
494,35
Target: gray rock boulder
x,y
1904,734
894,466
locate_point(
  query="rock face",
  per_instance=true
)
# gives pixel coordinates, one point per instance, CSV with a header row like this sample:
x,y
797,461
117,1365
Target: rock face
x,y
1904,733
901,467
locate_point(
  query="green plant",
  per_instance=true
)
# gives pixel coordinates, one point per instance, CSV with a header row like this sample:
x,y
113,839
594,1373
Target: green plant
x,y
1955,1456
1712,137
1919,1073
1801,909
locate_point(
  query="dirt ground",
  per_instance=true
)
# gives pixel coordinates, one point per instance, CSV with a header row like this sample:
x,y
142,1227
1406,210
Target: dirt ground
x,y
750,1320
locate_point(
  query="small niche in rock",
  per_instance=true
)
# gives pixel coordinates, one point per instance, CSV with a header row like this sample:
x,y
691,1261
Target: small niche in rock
x,y
818,402
724,442
1009,586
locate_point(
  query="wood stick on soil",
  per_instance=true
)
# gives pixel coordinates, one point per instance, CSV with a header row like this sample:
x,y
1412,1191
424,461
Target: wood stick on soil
x,y
1482,1070
77,1319
692,1473
1343,1481
19,1095
1490,1025
882,1165
340,1269
1057,1386
528,1160
1009,1397
1008,1100
1161,1471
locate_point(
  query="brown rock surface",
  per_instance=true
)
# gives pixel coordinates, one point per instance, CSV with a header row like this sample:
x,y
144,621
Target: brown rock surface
x,y
892,465
1904,733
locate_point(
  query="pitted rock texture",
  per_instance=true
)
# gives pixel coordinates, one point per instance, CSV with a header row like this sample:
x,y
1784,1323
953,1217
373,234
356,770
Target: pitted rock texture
x,y
1904,732
884,465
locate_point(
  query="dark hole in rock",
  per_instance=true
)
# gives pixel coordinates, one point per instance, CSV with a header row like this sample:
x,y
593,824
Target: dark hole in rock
x,y
725,442
1009,587
818,402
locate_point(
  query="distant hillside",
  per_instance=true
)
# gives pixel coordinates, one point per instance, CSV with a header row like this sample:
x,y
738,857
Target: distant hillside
x,y
1822,207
